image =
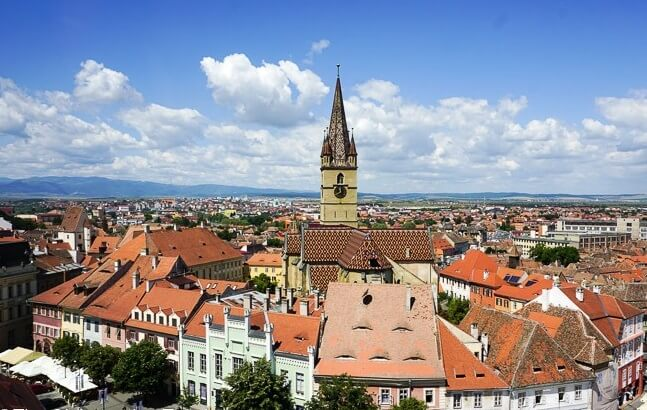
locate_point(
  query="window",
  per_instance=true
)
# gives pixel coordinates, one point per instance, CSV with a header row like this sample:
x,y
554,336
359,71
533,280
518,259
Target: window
x,y
560,393
340,178
96,327
66,318
107,330
151,338
170,343
624,377
521,400
497,399
236,363
286,379
300,381
174,322
429,396
118,334
578,392
191,387
458,401
218,362
76,319
538,397
403,394
87,325
160,320
190,361
203,363
148,317
478,400
136,315
203,393
385,396
218,398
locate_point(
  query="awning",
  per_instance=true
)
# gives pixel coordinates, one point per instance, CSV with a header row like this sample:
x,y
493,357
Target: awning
x,y
17,355
74,380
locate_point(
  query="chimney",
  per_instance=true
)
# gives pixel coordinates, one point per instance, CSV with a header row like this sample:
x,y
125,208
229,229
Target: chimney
x,y
217,297
147,228
136,277
175,227
284,306
266,303
202,224
556,280
407,302
154,261
485,341
144,252
117,265
596,289
149,285
290,297
277,294
544,300
579,294
486,274
316,293
267,293
303,307
474,330
533,234
247,301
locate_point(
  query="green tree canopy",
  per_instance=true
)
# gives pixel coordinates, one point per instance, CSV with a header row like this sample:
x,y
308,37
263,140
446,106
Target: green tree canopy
x,y
141,368
225,235
274,242
68,351
410,404
186,399
565,255
456,308
409,225
254,386
99,361
263,282
341,393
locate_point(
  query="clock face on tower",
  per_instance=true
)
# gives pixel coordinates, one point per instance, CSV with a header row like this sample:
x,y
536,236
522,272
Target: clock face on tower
x,y
340,191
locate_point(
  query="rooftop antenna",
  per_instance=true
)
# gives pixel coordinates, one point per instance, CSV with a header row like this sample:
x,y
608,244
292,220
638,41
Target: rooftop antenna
x,y
338,65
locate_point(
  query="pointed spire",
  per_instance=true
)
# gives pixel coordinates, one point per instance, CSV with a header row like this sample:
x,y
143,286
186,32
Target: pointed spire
x,y
338,130
352,151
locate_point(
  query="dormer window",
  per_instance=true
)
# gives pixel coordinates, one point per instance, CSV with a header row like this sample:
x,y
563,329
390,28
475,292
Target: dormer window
x,y
536,369
379,358
149,318
160,320
345,357
136,315
174,322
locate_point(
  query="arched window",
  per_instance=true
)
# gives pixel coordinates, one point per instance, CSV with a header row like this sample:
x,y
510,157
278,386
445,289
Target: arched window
x,y
340,178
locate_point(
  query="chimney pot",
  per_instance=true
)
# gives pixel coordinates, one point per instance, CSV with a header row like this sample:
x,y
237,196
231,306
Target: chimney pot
x,y
247,301
474,330
136,277
303,307
149,285
117,265
147,228
579,294
316,293
407,302
154,261
284,306
144,252
290,297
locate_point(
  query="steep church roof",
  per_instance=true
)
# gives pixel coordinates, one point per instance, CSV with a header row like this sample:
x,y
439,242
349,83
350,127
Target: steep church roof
x,y
338,136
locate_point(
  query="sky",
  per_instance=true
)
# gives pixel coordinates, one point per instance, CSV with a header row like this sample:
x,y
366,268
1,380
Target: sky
x,y
538,97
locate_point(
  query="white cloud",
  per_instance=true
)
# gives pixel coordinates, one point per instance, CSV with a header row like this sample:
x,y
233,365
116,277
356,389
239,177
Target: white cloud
x,y
165,127
316,48
272,94
453,144
97,84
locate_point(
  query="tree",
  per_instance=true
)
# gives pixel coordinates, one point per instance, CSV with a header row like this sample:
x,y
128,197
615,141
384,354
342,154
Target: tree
x,y
262,282
225,235
186,399
141,368
340,393
456,308
410,404
409,225
379,225
430,222
274,243
68,351
99,361
564,255
254,386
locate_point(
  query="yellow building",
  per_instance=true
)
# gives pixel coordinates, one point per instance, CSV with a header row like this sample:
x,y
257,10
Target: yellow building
x,y
338,169
269,264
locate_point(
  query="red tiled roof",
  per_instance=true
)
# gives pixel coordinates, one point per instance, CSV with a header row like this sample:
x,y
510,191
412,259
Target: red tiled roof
x,y
370,332
265,259
361,254
197,246
473,268
521,350
110,242
293,333
73,219
55,295
322,275
463,370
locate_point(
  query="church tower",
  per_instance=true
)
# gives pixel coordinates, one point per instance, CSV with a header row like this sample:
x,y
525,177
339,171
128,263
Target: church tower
x,y
338,168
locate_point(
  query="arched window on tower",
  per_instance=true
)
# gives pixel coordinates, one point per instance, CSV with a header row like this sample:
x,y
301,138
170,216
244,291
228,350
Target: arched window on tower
x,y
340,178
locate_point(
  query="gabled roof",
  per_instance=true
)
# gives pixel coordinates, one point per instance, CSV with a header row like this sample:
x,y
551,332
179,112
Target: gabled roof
x,y
573,331
371,332
606,312
73,219
361,254
109,242
476,267
55,295
197,246
463,370
265,259
293,333
521,350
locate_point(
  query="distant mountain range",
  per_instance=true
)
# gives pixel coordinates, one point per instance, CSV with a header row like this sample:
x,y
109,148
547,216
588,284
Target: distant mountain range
x,y
98,187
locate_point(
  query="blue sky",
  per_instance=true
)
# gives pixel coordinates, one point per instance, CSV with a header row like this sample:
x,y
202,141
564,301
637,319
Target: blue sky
x,y
571,76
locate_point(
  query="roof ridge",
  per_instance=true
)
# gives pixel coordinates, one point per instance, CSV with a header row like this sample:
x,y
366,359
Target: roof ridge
x,y
525,350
